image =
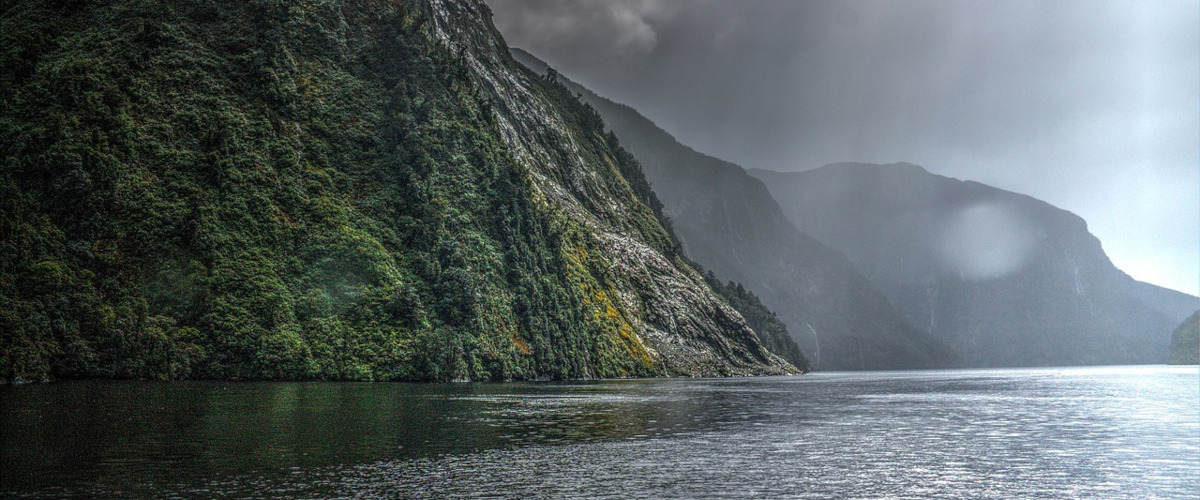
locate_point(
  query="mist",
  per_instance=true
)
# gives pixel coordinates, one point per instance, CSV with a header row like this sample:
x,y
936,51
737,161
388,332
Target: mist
x,y
1090,106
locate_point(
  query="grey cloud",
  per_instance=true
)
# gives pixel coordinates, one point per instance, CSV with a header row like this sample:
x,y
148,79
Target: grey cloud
x,y
620,28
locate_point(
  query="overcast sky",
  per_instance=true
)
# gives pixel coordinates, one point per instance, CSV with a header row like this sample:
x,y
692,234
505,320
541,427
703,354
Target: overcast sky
x,y
1093,106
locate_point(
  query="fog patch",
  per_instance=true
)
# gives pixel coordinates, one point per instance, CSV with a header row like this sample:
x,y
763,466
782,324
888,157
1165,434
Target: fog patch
x,y
987,241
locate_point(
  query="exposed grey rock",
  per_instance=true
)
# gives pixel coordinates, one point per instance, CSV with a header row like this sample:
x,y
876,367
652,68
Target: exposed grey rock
x,y
728,222
670,308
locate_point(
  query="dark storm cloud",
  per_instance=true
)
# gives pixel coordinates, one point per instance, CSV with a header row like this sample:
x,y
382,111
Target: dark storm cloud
x,y
1091,105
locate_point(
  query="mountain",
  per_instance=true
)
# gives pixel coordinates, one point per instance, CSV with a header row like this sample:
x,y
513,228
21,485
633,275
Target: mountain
x,y
729,223
325,190
1005,279
1185,342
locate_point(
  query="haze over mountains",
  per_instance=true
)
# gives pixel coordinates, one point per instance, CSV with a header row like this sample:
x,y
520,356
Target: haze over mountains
x,y
1090,105
729,223
1185,342
379,191
1003,278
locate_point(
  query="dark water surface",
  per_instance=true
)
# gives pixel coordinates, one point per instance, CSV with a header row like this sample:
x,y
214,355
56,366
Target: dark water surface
x,y
1110,432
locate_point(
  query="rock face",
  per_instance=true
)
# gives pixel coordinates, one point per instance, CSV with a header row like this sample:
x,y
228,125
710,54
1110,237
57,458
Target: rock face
x,y
1005,279
1185,342
729,223
689,329
325,190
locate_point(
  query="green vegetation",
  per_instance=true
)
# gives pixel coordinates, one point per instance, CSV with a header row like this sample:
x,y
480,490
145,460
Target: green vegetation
x,y
733,226
1185,342
771,330
265,191
622,177
291,190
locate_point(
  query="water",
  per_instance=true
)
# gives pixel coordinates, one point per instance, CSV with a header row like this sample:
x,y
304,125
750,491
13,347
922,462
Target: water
x,y
1114,432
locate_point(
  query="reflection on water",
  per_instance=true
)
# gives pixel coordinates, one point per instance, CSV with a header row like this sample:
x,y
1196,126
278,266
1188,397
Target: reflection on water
x,y
1098,432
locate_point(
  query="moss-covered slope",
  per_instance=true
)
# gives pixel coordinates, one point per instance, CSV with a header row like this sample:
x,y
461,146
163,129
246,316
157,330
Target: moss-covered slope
x,y
323,190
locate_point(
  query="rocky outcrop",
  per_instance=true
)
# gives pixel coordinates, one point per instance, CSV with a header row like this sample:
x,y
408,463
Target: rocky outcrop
x,y
728,222
688,328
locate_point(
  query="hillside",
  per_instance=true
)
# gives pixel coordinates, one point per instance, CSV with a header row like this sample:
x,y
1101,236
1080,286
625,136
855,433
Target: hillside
x,y
1185,342
729,223
325,190
1005,279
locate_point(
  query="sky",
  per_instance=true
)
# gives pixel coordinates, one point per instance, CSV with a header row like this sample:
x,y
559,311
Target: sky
x,y
1091,105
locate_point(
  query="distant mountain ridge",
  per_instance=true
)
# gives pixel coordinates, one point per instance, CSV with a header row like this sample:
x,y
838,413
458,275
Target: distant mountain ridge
x,y
728,222
1004,278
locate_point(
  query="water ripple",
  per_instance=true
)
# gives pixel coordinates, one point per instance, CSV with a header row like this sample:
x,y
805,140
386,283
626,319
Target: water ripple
x,y
1064,433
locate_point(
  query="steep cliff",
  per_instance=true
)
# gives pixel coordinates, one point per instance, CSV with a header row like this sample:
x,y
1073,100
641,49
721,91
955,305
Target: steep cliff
x,y
1005,279
729,223
332,190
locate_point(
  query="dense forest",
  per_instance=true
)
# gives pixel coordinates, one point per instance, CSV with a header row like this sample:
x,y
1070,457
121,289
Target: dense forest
x,y
305,190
